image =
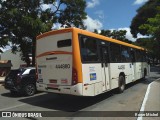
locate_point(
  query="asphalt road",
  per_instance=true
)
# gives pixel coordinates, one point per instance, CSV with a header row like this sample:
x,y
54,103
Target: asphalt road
x,y
130,100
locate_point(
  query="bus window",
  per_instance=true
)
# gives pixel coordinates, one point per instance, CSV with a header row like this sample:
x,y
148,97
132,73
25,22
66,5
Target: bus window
x,y
64,43
125,54
139,56
115,53
144,56
89,52
132,52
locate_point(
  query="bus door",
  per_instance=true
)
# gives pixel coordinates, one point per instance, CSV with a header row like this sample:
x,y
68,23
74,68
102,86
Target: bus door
x,y
105,66
133,65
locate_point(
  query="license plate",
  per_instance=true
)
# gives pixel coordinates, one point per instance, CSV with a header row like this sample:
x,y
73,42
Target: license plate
x,y
52,85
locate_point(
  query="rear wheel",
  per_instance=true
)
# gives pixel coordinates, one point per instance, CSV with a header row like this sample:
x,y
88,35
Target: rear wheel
x,y
30,89
121,84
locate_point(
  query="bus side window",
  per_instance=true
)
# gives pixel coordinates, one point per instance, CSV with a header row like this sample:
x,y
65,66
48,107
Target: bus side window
x,y
115,53
89,52
139,56
144,56
132,52
125,54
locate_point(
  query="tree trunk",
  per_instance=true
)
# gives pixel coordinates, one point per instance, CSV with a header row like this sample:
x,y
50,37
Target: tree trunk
x,y
33,51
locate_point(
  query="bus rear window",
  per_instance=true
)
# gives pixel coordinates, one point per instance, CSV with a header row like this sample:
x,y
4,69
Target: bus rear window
x,y
64,43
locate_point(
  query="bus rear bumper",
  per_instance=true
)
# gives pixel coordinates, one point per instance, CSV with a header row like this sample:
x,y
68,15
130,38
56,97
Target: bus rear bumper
x,y
73,90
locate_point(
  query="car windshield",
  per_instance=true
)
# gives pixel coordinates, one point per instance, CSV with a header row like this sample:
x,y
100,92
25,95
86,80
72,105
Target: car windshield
x,y
17,71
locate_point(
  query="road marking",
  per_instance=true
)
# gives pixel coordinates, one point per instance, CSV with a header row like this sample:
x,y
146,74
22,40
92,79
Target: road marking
x,y
3,109
144,101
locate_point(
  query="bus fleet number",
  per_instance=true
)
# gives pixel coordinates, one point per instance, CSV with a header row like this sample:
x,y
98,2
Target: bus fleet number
x,y
63,66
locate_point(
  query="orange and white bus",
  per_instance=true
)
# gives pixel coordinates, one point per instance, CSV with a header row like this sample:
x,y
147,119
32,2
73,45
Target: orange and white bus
x,y
78,62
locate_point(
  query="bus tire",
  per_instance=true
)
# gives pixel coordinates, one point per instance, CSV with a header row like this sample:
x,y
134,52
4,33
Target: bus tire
x,y
121,84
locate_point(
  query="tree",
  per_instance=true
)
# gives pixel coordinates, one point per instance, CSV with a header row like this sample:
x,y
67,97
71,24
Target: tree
x,y
149,44
115,34
148,10
21,21
147,22
153,29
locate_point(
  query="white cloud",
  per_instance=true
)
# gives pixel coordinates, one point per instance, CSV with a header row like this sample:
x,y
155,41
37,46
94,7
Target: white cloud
x,y
92,24
129,35
8,47
100,14
92,3
46,6
2,1
49,6
137,2
5,48
142,36
56,26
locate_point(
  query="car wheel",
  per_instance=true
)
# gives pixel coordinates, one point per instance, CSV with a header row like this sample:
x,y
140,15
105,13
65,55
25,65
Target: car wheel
x,y
121,84
30,89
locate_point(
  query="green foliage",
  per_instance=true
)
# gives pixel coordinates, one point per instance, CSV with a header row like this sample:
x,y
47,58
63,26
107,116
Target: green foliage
x,y
73,15
148,10
149,44
147,22
153,26
115,34
153,29
21,21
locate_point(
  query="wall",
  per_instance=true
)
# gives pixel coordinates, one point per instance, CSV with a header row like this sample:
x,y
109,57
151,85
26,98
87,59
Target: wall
x,y
15,58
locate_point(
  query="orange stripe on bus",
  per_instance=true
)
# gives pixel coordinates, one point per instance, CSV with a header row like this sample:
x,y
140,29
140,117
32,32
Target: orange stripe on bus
x,y
84,32
77,63
53,52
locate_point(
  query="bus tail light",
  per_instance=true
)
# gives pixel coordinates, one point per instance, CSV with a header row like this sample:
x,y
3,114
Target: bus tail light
x,y
74,76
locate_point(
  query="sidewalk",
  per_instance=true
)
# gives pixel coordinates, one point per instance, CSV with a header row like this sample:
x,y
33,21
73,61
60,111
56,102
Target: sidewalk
x,y
151,100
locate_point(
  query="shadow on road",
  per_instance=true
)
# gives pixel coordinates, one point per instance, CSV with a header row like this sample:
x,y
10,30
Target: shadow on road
x,y
66,103
8,94
15,95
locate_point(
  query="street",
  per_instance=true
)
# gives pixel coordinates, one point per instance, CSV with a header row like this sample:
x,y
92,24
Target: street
x,y
130,100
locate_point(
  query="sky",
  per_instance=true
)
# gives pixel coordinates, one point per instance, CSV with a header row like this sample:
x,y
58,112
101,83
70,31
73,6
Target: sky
x,y
112,15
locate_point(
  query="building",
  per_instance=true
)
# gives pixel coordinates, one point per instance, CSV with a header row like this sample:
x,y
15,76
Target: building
x,y
15,59
5,67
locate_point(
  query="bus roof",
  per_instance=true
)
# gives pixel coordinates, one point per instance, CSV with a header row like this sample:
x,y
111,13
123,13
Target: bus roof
x,y
91,34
